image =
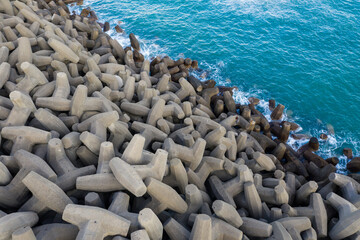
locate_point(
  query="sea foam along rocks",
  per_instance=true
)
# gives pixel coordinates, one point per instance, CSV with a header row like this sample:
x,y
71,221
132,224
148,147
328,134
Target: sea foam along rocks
x,y
96,141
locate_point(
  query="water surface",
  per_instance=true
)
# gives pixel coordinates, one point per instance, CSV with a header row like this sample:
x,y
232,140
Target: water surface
x,y
304,54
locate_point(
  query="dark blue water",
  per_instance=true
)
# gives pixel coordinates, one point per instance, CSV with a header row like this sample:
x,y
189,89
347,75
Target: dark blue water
x,y
304,54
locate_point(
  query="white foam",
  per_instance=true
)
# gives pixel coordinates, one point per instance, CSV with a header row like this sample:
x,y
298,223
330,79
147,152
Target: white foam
x,y
150,49
328,148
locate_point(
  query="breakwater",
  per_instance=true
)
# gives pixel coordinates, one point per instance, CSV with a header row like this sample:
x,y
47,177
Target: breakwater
x,y
97,141
302,55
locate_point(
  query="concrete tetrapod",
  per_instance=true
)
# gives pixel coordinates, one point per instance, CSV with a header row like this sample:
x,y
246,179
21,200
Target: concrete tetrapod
x,y
119,134
24,31
223,230
320,174
120,206
190,156
316,211
245,140
8,9
4,68
227,212
175,230
49,231
255,228
24,233
63,50
202,228
105,181
33,77
194,200
51,122
105,155
15,193
206,167
156,168
217,229
349,217
185,90
163,83
216,137
59,100
25,49
70,71
32,17
5,175
277,195
166,195
265,142
350,194
97,125
279,232
140,235
264,161
279,151
277,112
253,200
24,137
45,192
94,199
229,102
135,109
295,226
187,128
151,223
81,103
304,192
227,190
342,180
196,147
66,171
95,222
133,152
12,222
127,176
309,234
177,176
23,107
204,125
173,109
156,112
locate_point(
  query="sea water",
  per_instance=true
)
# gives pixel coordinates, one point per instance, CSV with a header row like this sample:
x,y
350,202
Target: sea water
x,y
304,54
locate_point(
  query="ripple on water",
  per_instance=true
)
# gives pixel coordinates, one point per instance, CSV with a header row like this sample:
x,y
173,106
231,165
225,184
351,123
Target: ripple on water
x,y
304,54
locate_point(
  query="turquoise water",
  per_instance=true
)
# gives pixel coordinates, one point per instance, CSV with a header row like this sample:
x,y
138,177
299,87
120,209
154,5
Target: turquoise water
x,y
304,54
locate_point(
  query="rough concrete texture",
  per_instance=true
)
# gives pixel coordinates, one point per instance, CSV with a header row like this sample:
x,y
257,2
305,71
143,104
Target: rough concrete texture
x,y
99,143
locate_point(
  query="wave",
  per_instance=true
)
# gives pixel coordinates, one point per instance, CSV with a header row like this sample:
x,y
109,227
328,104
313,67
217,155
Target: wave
x,y
330,147
149,48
